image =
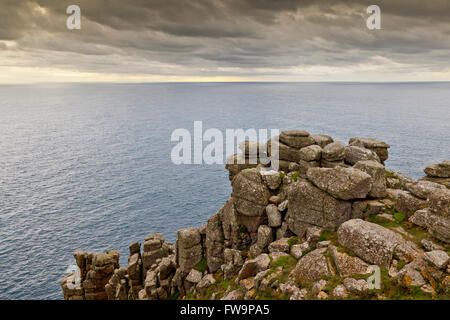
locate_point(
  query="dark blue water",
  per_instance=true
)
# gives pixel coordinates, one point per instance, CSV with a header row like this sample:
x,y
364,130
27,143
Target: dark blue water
x,y
88,166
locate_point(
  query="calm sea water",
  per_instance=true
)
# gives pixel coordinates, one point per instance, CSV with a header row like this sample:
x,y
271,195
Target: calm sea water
x,y
88,166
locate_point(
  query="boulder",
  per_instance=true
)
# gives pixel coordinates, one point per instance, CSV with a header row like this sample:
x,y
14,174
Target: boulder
x,y
422,189
281,245
353,154
440,170
265,236
430,245
369,241
355,287
341,183
439,227
379,147
322,139
420,218
334,152
312,267
189,249
439,202
296,251
376,171
345,264
296,138
310,206
408,204
311,153
207,281
442,181
271,178
254,266
250,194
273,215
233,263
194,276
437,258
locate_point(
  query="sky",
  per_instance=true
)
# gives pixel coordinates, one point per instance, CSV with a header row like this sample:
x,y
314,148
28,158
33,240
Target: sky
x,y
224,40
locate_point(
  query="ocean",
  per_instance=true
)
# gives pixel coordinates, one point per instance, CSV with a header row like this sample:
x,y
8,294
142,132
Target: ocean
x,y
87,166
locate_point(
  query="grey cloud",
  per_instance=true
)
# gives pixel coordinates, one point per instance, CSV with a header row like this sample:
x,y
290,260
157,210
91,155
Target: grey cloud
x,y
201,36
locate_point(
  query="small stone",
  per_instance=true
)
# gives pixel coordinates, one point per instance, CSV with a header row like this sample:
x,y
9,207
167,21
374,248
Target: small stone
x,y
283,206
296,251
194,276
419,218
437,258
322,295
273,215
318,286
340,292
355,287
430,245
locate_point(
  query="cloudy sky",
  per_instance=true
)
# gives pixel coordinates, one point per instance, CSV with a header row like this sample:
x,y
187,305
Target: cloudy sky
x,y
224,40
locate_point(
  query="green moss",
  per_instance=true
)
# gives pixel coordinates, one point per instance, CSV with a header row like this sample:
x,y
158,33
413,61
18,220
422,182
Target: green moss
x,y
390,174
295,175
201,266
292,241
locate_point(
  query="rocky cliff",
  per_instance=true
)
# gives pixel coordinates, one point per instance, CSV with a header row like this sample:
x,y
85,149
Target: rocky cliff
x,y
316,229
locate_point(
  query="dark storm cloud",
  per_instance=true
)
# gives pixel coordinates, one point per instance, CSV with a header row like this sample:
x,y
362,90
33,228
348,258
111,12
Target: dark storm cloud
x,y
232,37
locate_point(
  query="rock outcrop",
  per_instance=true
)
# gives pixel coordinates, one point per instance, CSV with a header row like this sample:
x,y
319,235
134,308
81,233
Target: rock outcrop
x,y
311,230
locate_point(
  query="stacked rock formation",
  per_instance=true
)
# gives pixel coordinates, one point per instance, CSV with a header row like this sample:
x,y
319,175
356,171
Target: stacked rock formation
x,y
322,186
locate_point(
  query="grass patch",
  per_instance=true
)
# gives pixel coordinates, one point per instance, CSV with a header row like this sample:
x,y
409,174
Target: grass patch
x,y
399,217
329,235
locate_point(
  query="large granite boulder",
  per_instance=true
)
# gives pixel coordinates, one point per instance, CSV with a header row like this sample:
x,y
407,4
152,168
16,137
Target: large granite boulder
x,y
371,242
310,206
341,183
408,204
379,147
376,171
250,194
422,189
312,267
440,170
353,154
334,152
311,153
322,139
296,138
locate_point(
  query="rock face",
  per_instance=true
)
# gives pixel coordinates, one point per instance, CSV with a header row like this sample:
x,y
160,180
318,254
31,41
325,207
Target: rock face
x,y
189,249
341,183
94,273
310,206
369,241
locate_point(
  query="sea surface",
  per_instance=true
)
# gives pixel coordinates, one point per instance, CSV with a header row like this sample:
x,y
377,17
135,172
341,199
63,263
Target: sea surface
x,y
88,166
